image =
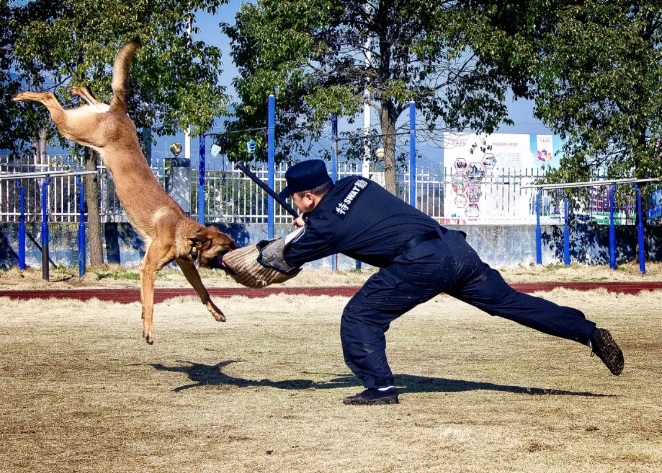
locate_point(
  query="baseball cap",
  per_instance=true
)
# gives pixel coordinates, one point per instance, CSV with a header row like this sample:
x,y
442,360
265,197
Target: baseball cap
x,y
304,176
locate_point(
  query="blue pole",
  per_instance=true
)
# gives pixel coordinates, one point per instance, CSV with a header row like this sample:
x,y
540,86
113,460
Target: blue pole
x,y
44,229
640,232
271,137
81,229
201,179
412,154
538,231
612,229
21,228
566,232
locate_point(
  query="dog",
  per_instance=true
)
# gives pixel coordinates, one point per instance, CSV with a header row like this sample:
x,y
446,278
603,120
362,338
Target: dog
x,y
168,233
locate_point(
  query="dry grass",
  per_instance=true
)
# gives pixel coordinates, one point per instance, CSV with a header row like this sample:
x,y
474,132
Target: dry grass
x,y
80,390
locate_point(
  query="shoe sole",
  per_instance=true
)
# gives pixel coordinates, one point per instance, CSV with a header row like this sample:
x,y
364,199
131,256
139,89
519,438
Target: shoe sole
x,y
611,355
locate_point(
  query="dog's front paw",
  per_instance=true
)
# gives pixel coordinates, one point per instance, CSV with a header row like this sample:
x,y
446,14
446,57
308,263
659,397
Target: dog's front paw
x,y
215,311
148,335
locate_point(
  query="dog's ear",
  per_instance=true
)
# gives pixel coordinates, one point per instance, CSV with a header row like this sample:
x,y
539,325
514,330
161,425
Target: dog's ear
x,y
201,240
208,233
200,237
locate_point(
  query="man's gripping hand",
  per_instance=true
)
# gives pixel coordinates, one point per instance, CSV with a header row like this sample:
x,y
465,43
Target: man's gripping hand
x,y
299,222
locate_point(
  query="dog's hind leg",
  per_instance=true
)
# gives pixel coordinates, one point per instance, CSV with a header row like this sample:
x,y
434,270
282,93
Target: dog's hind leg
x,y
193,277
80,125
58,114
83,93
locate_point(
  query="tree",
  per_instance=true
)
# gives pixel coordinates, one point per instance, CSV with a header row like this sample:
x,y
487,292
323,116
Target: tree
x,y
313,52
12,132
599,81
174,78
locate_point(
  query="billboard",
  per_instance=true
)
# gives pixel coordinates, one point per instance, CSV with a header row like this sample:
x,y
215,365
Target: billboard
x,y
487,173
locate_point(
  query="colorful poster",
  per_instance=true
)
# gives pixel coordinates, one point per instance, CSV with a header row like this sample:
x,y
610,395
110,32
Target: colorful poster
x,y
544,148
487,173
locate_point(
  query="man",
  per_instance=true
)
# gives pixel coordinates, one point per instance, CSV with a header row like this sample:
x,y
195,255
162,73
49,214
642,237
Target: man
x,y
418,259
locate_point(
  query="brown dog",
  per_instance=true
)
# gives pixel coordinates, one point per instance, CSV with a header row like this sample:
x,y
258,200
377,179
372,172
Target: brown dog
x,y
169,234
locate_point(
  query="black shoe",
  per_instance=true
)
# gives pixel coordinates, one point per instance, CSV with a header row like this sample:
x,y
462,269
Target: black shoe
x,y
373,396
607,350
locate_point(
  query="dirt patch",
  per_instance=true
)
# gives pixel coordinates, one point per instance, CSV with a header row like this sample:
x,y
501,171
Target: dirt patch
x,y
81,391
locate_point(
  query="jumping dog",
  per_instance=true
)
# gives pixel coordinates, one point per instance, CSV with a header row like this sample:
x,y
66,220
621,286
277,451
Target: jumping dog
x,y
168,233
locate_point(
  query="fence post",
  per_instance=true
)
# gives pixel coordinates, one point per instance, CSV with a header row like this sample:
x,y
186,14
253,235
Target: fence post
x,y
566,231
81,229
640,232
271,139
538,230
612,228
412,154
45,274
21,227
201,181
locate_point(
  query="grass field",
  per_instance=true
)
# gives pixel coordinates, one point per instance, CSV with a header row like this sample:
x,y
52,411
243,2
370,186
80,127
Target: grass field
x,y
81,391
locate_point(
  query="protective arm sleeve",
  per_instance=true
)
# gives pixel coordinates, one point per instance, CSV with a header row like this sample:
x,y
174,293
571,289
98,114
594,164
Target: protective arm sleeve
x,y
271,256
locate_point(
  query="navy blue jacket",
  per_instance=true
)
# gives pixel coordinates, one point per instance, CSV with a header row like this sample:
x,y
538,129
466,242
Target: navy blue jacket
x,y
360,219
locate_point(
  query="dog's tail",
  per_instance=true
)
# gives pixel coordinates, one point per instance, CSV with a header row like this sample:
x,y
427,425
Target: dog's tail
x,y
121,75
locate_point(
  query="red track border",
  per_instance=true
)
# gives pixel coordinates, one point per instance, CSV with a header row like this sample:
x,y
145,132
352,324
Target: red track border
x,y
126,296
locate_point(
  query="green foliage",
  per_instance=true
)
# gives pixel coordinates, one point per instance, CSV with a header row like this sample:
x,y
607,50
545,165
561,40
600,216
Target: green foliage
x,y
313,53
599,85
174,80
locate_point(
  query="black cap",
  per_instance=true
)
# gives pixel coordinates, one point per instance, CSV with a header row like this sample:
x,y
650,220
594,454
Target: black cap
x,y
305,176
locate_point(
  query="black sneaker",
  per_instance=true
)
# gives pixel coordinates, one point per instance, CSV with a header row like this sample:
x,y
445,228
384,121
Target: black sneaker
x,y
373,396
607,350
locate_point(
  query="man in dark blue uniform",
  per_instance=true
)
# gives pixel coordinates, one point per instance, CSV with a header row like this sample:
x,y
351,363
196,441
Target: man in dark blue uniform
x,y
418,259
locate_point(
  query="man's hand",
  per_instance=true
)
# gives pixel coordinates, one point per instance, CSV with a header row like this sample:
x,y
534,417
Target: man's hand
x,y
298,222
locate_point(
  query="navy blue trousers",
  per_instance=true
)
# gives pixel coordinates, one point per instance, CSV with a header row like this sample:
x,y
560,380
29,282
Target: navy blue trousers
x,y
446,265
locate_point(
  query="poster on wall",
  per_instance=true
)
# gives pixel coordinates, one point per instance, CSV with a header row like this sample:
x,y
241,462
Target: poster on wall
x,y
487,173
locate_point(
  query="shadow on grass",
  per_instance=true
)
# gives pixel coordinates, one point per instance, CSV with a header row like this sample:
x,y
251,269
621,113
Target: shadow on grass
x,y
212,375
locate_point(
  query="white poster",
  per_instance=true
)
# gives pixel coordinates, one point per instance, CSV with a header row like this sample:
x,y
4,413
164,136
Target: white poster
x,y
487,173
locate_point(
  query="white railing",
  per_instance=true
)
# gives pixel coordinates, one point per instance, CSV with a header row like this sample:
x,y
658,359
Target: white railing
x,y
61,194
62,197
232,197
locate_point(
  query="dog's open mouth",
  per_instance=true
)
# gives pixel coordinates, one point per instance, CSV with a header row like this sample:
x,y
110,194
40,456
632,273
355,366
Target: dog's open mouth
x,y
218,263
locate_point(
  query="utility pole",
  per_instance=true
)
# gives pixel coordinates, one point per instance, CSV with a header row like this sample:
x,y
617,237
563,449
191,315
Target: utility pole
x,y
187,132
366,106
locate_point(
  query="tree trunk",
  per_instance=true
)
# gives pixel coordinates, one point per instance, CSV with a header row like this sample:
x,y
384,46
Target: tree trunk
x,y
42,146
93,216
39,145
387,121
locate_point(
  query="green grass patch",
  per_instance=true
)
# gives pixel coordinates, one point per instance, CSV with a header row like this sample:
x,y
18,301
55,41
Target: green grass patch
x,y
552,267
130,276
